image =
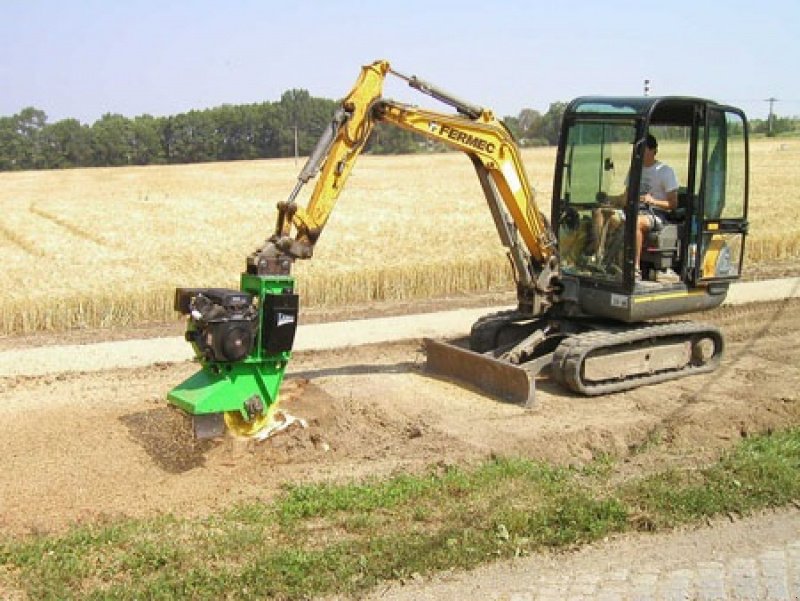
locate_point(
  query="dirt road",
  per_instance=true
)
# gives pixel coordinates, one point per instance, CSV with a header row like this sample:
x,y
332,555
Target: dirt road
x,y
86,446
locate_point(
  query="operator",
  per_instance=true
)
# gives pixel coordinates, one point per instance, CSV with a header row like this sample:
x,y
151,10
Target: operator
x,y
658,196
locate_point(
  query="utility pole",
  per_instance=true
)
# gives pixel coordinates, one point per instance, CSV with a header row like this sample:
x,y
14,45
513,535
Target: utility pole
x,y
296,152
771,117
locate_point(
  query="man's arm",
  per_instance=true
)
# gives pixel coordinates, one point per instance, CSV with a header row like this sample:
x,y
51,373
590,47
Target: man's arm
x,y
670,203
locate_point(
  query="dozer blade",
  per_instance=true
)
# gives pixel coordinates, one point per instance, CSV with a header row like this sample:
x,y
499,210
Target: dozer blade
x,y
494,377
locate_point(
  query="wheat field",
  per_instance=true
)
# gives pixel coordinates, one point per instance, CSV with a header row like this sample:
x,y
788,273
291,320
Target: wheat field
x,y
106,247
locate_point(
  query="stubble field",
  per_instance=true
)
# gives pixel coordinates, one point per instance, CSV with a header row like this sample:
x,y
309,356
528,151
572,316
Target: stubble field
x,y
106,247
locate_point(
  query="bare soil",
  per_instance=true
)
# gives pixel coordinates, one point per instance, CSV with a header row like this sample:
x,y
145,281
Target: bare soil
x,y
89,447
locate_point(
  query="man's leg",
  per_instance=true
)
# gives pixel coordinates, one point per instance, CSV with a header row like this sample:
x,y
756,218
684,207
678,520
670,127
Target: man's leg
x,y
597,230
643,226
604,223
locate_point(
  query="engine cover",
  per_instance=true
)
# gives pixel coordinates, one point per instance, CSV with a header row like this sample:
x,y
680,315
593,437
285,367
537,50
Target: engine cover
x,y
228,340
223,323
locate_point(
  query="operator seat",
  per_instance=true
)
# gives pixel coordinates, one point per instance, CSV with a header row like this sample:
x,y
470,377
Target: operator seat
x,y
662,247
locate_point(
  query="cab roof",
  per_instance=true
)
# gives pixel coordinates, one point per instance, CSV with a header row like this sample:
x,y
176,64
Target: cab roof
x,y
676,109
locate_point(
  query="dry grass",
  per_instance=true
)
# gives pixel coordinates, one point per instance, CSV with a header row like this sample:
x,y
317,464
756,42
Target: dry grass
x,y
106,247
774,193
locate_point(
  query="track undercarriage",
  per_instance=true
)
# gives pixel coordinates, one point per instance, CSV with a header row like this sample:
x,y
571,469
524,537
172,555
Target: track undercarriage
x,y
591,357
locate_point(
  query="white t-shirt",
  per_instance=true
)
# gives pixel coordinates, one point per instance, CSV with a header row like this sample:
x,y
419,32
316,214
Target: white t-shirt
x,y
658,180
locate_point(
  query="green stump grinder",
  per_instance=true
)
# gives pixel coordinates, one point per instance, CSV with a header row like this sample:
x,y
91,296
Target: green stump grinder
x,y
243,341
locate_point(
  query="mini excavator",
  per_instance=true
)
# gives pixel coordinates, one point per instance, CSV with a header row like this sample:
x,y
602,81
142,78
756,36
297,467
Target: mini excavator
x,y
582,310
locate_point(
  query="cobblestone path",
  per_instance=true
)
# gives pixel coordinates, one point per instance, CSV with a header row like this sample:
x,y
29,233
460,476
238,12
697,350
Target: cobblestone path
x,y
757,558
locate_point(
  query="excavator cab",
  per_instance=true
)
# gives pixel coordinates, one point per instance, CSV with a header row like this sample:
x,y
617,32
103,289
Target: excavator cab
x,y
688,262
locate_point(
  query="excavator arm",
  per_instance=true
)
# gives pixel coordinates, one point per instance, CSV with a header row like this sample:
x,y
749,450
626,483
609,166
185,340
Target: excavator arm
x,y
474,130
333,157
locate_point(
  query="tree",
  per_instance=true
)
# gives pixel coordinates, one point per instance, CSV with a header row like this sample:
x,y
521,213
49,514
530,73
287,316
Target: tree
x,y
112,137
393,140
310,116
67,144
531,124
780,125
238,129
145,138
11,144
551,122
24,136
267,124
190,138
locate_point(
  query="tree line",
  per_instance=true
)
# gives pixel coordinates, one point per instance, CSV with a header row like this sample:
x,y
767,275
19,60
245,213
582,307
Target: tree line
x,y
229,132
225,133
232,132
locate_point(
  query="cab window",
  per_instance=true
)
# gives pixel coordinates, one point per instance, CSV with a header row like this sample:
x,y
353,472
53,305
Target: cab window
x,y
596,165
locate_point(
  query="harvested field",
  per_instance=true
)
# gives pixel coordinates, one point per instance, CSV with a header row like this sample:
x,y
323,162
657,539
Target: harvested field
x,y
106,247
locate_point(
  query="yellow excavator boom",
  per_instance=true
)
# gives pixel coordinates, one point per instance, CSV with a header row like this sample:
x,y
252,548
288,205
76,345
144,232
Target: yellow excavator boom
x,y
353,125
473,130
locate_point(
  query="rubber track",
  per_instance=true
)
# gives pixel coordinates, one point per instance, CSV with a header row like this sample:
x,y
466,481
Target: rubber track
x,y
567,366
504,317
484,331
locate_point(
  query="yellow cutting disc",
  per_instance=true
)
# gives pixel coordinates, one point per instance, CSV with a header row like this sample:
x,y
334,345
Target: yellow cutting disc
x,y
239,426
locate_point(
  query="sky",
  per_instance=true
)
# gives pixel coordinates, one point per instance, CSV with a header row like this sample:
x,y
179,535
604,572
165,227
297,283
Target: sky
x,y
84,58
